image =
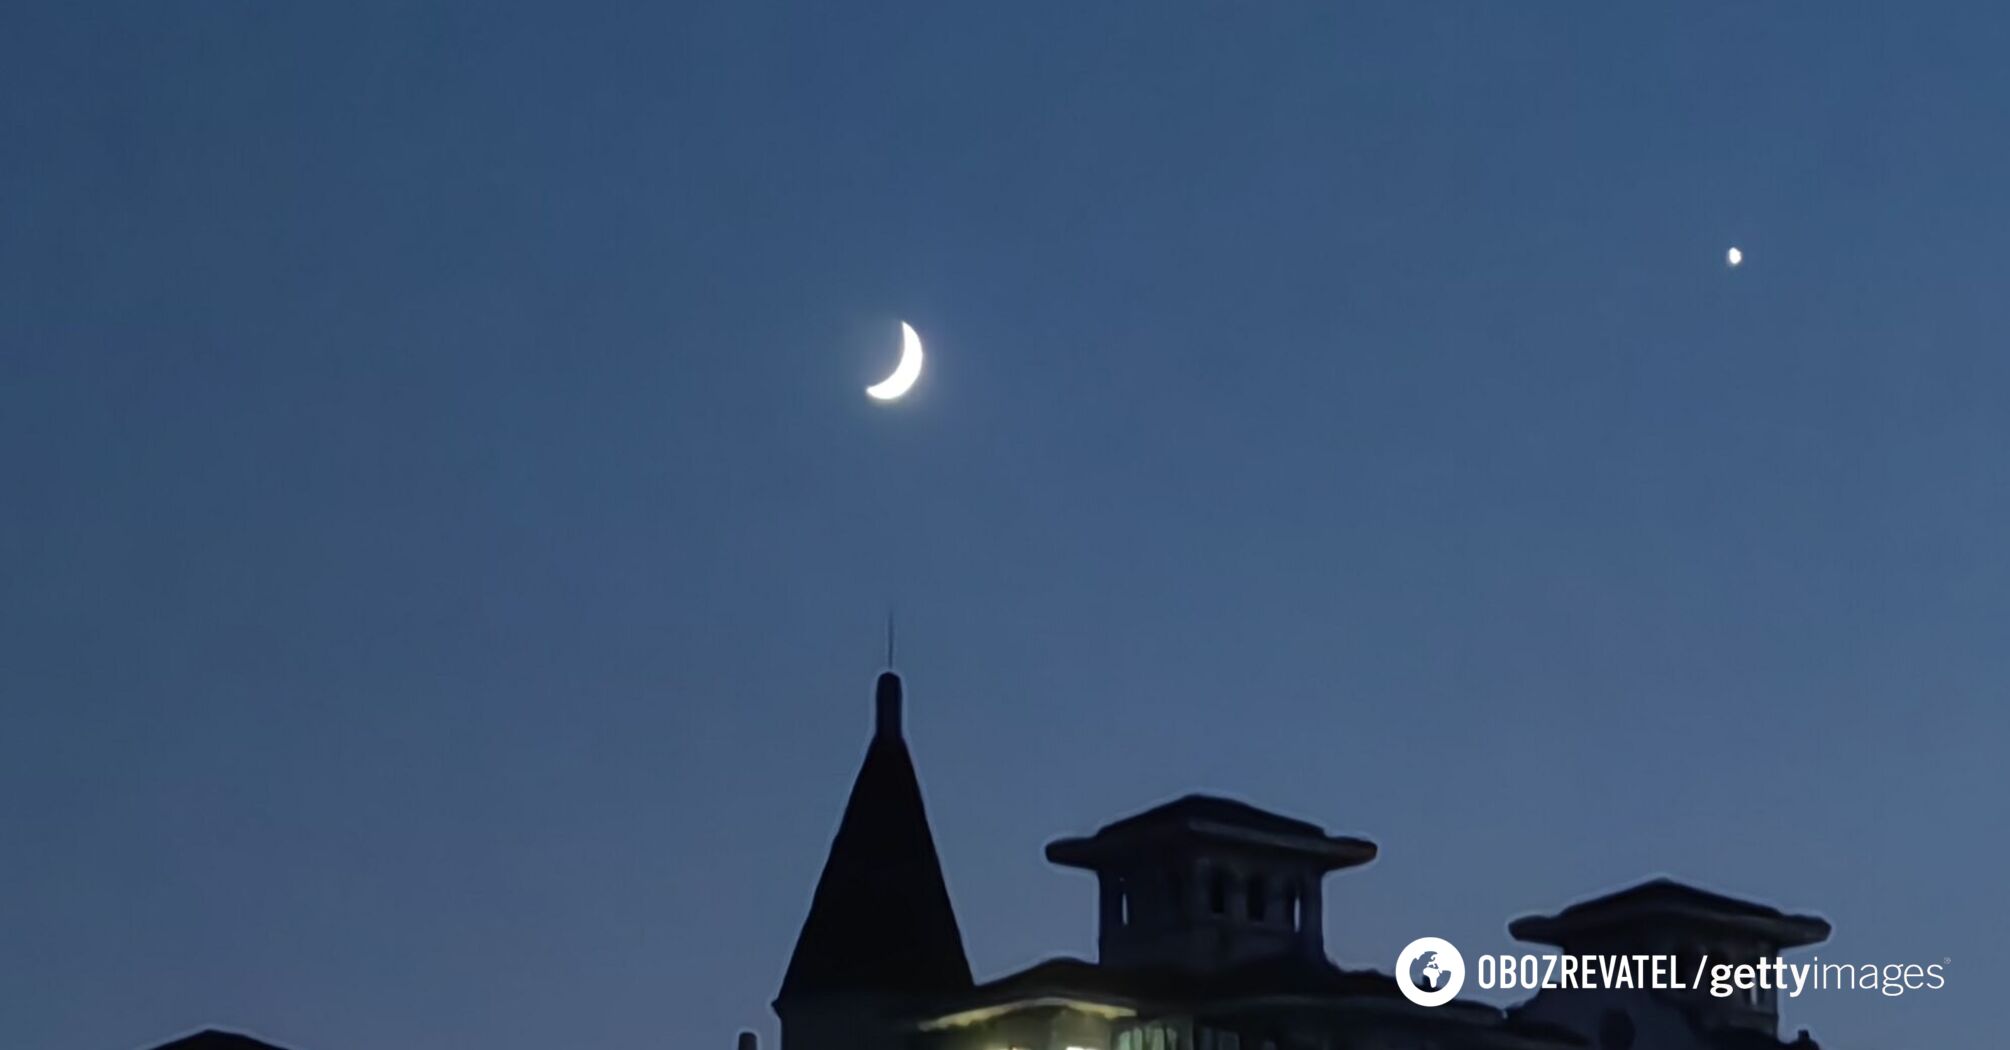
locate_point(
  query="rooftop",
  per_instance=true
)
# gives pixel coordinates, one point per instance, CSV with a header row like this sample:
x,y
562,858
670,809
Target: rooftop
x,y
880,920
216,1039
1216,820
1125,991
1664,901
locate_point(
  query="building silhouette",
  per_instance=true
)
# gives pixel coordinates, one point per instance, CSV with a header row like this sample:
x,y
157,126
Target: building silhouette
x,y
1210,937
216,1039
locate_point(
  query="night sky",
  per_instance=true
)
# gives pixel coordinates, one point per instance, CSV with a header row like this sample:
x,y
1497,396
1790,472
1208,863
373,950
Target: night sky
x,y
445,549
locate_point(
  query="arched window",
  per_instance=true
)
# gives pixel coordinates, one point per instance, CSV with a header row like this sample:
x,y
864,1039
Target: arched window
x,y
1291,914
1217,893
1256,897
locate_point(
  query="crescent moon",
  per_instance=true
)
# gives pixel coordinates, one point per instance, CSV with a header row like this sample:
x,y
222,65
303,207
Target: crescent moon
x,y
904,373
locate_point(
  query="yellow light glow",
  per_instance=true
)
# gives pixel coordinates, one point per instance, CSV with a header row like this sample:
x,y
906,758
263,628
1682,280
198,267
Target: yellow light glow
x,y
962,1018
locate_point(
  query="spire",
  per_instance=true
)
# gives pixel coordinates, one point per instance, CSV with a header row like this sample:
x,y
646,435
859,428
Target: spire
x,y
880,922
886,693
886,706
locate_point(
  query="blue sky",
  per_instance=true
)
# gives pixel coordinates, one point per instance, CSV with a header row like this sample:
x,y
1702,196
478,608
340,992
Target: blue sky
x,y
445,546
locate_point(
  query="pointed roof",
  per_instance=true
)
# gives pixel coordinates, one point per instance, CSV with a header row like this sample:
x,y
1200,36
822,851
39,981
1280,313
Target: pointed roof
x,y
881,920
216,1039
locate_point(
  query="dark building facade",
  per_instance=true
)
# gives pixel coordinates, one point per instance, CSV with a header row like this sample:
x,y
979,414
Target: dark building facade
x,y
1210,936
881,932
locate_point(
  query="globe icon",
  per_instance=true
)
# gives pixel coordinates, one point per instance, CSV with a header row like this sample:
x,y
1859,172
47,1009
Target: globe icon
x,y
1429,972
